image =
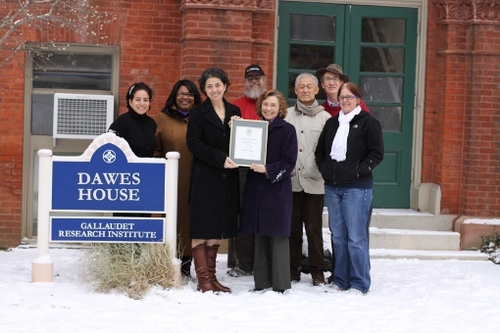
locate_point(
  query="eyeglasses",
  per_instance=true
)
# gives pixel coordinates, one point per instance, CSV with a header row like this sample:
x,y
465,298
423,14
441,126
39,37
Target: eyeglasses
x,y
330,78
182,95
254,77
347,97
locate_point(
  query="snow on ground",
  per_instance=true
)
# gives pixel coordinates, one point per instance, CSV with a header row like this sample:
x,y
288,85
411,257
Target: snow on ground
x,y
407,295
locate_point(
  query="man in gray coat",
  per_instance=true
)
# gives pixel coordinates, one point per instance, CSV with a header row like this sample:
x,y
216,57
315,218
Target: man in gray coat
x,y
308,118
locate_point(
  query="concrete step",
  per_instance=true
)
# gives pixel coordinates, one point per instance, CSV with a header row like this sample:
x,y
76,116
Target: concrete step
x,y
408,234
410,219
427,255
405,239
406,219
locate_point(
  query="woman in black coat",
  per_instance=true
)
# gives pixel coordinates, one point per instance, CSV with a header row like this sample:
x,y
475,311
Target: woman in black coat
x,y
349,148
214,183
267,199
135,126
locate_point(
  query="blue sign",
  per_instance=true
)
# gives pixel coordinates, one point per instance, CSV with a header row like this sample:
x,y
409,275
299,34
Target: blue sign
x,y
107,230
109,182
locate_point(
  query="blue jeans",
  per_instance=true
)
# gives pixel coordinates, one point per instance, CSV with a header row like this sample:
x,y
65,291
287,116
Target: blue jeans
x,y
349,212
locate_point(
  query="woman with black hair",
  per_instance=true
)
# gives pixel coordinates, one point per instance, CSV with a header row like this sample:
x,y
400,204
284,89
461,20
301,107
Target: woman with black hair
x,y
135,126
214,185
171,136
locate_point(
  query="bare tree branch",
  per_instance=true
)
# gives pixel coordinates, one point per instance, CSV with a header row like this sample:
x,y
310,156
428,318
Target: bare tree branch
x,y
48,21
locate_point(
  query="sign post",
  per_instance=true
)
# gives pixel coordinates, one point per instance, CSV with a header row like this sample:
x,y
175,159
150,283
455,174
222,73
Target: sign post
x,y
43,267
107,178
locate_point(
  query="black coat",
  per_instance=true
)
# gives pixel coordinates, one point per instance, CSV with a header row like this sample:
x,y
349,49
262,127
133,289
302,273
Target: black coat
x,y
267,198
213,191
365,150
138,130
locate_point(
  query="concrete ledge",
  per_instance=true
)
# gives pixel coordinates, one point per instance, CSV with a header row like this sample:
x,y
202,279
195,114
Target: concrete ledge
x,y
472,230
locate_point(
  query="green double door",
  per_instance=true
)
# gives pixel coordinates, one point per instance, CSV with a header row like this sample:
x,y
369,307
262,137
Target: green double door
x,y
376,47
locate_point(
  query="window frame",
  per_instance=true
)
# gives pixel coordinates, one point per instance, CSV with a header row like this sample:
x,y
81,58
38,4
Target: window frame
x,y
33,143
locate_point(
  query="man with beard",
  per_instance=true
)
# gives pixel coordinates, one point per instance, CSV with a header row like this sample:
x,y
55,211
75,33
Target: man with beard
x,y
241,248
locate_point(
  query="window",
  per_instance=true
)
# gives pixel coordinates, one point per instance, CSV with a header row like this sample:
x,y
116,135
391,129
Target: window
x,y
71,69
79,69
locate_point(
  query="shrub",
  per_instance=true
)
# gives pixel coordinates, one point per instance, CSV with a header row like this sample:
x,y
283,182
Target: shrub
x,y
491,246
129,268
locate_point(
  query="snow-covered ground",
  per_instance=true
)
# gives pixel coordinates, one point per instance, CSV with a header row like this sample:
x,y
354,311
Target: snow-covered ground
x,y
407,295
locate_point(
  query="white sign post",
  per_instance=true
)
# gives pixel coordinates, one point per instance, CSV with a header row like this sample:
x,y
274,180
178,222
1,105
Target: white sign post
x,y
106,178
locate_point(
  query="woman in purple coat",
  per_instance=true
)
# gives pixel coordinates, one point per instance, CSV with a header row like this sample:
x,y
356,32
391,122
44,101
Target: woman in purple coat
x,y
267,198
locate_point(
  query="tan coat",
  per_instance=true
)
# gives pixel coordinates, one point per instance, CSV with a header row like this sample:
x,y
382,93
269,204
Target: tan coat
x,y
171,136
306,176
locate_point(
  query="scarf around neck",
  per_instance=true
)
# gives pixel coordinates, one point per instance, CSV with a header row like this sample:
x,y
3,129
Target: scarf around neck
x,y
339,145
309,110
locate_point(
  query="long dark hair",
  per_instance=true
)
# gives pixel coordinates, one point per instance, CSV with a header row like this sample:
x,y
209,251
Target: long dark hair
x,y
172,98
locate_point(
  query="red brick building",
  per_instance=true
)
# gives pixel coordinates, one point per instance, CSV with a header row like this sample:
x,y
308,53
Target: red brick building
x,y
429,70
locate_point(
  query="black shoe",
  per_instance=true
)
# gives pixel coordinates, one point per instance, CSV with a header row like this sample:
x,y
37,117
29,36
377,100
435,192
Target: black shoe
x,y
186,266
318,282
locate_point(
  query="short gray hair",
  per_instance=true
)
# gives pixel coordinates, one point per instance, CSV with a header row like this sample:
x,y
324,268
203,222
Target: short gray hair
x,y
301,75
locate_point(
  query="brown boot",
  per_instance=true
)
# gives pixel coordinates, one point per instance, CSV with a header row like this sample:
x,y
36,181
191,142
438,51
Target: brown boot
x,y
201,268
211,262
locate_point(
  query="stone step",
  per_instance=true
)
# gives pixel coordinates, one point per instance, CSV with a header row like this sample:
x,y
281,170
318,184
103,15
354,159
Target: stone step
x,y
406,219
427,255
405,239
408,234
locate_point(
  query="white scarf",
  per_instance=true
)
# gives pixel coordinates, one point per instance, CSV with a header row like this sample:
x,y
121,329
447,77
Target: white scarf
x,y
339,145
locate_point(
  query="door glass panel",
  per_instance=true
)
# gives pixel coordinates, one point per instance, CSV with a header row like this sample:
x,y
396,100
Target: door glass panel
x,y
382,59
389,117
381,89
310,56
312,27
383,30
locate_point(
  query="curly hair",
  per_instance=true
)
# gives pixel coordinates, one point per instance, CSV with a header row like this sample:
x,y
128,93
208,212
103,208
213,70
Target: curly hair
x,y
213,72
281,99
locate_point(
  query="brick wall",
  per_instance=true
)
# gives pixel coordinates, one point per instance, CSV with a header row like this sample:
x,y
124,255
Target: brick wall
x,y
164,40
161,41
11,150
462,123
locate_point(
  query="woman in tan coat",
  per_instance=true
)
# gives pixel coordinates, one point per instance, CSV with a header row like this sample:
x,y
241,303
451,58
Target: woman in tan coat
x,y
171,136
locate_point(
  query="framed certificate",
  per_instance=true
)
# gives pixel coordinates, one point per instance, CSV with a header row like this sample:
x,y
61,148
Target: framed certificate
x,y
248,142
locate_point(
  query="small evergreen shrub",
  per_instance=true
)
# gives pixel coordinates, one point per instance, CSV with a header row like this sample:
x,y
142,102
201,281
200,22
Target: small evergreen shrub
x,y
129,268
491,246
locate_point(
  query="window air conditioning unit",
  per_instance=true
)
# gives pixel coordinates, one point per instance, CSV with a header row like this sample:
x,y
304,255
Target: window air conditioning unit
x,y
80,116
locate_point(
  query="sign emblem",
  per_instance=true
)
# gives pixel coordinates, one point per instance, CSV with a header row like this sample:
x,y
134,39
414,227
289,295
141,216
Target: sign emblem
x,y
109,156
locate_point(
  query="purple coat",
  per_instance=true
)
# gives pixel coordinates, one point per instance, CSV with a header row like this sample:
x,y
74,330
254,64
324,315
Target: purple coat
x,y
267,198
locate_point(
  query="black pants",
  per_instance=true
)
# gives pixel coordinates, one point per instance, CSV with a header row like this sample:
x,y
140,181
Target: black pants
x,y
271,263
308,213
240,251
